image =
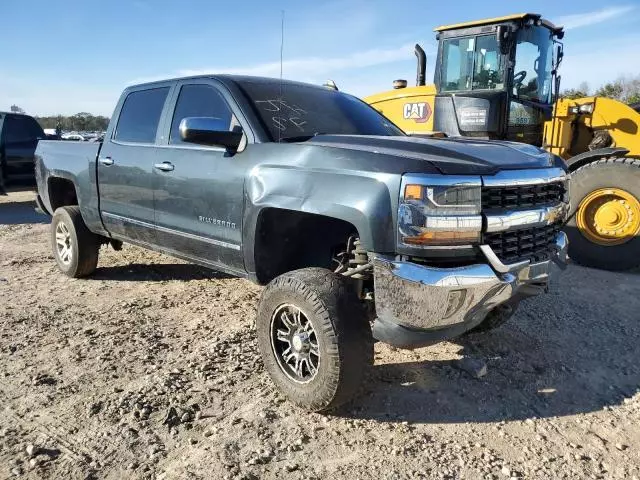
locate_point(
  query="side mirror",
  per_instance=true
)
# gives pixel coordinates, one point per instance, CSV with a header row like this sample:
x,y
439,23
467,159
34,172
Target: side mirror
x,y
210,131
503,36
559,55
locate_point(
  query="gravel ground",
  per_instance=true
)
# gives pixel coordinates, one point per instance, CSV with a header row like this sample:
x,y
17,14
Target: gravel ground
x,y
149,369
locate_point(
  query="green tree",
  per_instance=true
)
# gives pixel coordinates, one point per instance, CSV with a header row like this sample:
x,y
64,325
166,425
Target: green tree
x,y
583,90
573,93
82,121
611,90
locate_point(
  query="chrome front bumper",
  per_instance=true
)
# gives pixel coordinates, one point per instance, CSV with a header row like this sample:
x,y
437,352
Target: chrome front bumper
x,y
418,305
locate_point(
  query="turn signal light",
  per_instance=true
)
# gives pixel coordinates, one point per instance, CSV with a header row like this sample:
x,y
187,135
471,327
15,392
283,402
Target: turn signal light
x,y
432,237
413,192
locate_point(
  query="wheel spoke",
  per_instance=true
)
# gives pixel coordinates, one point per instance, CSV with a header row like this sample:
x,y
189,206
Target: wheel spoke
x,y
312,368
283,336
287,355
287,321
298,367
296,317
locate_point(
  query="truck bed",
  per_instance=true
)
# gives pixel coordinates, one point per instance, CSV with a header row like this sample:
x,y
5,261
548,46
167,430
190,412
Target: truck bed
x,y
74,163
69,156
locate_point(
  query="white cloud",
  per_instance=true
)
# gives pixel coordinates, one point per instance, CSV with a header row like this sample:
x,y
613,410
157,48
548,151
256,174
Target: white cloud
x,y
593,61
591,18
315,66
38,96
359,73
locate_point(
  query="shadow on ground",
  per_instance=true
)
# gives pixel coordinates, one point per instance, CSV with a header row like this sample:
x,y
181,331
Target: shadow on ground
x,y
20,213
573,351
135,272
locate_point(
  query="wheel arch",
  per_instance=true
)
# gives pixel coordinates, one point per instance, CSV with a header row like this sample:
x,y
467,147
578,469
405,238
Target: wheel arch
x,y
61,192
585,158
286,240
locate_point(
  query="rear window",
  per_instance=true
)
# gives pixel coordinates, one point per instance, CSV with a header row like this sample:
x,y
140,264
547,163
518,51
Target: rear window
x,y
140,115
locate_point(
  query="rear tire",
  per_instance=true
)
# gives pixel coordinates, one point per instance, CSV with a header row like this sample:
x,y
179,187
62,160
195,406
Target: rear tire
x,y
75,248
615,173
330,315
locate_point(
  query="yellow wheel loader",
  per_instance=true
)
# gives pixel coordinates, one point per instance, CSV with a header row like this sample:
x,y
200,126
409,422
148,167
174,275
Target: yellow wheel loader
x,y
497,79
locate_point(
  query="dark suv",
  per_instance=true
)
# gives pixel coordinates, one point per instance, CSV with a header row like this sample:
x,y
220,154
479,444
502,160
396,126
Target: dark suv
x,y
19,135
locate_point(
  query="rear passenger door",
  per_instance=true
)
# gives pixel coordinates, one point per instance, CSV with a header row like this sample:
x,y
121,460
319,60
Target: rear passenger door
x,y
199,195
125,164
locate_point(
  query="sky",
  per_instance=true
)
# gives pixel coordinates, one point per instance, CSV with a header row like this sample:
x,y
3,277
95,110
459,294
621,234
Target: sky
x,y
77,56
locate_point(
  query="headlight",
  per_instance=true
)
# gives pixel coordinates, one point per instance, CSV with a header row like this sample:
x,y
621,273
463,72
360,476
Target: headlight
x,y
585,108
439,211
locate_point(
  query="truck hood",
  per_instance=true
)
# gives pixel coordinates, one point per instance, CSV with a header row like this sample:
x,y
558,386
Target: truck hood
x,y
450,156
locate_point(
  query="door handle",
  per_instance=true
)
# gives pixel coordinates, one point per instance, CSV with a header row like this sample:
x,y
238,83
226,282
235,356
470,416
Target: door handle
x,y
106,160
164,166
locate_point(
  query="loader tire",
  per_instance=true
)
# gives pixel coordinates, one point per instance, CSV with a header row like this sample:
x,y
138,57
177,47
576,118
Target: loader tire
x,y
604,227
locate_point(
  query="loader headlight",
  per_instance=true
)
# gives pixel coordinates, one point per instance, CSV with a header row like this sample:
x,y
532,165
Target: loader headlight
x,y
585,108
436,210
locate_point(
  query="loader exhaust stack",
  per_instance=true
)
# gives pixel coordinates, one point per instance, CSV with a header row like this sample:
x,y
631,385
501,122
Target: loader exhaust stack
x,y
422,65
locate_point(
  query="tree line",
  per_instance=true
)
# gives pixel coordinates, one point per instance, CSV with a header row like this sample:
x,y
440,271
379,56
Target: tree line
x,y
624,89
80,122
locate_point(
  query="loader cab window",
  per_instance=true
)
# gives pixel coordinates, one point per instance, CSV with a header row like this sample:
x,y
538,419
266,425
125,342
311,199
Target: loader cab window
x,y
471,63
533,66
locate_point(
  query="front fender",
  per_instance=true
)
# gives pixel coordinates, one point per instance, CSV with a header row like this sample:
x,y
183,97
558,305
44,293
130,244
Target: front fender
x,y
367,200
592,155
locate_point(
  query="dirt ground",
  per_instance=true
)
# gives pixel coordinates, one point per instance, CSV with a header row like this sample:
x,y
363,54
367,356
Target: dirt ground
x,y
149,369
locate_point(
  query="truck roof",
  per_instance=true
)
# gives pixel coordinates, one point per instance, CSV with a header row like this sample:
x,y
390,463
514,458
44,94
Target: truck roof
x,y
506,18
224,78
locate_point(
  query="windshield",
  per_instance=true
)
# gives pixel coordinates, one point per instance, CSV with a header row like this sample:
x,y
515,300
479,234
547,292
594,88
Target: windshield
x,y
534,62
471,63
295,111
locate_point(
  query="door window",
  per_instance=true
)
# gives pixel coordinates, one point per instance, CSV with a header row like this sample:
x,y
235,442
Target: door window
x,y
140,115
471,63
534,63
199,101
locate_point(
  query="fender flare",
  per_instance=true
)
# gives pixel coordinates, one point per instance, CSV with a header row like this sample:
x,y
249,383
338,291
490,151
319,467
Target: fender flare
x,y
587,157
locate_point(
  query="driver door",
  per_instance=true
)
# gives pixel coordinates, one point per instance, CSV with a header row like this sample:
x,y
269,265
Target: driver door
x,y
198,190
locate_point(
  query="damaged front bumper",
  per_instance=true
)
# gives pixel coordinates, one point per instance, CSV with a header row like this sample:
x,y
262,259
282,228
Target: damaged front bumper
x,y
417,305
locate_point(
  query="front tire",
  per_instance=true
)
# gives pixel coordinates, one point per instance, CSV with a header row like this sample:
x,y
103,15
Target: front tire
x,y
604,228
75,248
314,338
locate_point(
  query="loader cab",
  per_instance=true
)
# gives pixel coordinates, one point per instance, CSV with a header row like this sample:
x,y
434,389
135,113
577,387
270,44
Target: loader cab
x,y
495,78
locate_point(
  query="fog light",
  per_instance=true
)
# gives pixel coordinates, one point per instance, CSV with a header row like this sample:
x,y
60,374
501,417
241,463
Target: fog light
x,y
455,301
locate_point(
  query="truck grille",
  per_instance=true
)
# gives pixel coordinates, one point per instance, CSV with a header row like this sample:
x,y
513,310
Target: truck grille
x,y
534,244
524,196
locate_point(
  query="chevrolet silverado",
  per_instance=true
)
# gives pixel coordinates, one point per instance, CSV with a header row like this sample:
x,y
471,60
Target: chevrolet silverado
x,y
357,230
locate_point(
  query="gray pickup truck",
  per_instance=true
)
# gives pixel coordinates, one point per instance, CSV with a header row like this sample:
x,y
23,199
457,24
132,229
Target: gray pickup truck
x,y
358,231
